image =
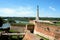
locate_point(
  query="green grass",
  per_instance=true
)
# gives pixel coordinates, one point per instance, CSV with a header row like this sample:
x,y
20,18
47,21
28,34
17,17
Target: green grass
x,y
43,37
14,37
12,31
1,30
20,24
57,23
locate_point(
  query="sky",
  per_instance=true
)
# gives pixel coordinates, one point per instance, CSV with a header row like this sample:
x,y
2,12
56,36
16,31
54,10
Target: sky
x,y
27,8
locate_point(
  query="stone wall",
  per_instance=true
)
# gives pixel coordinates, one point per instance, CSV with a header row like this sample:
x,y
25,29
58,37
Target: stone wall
x,y
18,28
30,28
46,30
30,36
44,35
57,36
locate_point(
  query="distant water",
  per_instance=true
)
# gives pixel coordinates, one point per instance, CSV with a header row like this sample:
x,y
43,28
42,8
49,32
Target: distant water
x,y
22,22
17,21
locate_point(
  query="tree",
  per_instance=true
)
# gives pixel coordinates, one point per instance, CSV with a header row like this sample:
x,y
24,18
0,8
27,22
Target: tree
x,y
1,22
11,21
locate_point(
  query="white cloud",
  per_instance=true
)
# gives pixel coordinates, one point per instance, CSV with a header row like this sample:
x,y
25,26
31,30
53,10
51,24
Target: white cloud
x,y
21,11
7,10
25,11
52,8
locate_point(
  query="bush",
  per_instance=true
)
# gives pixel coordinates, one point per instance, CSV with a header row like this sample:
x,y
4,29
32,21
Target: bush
x,y
1,21
11,21
18,24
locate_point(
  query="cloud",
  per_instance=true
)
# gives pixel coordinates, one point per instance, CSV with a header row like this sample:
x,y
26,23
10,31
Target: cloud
x,y
52,8
25,11
6,10
20,11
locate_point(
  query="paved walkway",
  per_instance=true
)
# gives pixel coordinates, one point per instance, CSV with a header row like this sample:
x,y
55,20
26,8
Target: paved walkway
x,y
13,33
3,33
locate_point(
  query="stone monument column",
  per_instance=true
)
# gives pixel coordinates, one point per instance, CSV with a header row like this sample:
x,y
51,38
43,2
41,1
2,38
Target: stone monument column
x,y
37,14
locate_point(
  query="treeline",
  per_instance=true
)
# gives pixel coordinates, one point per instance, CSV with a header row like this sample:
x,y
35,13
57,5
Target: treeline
x,y
50,18
31,18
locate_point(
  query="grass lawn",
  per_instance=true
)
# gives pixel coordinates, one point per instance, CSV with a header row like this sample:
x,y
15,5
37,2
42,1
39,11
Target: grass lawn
x,y
12,31
16,37
1,30
21,24
43,37
57,23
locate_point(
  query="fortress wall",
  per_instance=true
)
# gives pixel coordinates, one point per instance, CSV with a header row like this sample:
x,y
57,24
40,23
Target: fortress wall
x,y
57,37
42,30
51,27
44,35
18,28
30,36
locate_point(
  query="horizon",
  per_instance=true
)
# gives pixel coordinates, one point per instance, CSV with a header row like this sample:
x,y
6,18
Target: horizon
x,y
27,8
34,17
